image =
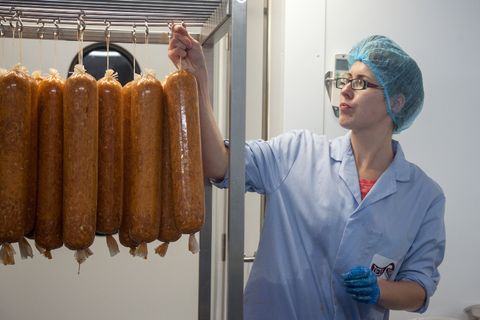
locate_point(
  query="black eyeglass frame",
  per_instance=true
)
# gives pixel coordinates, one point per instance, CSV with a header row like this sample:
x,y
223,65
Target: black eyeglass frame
x,y
340,83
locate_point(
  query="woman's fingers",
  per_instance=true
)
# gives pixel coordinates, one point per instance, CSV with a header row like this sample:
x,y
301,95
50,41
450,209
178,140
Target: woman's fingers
x,y
176,43
175,54
178,28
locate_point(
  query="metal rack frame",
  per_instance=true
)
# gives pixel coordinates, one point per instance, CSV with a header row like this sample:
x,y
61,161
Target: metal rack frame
x,y
50,19
208,21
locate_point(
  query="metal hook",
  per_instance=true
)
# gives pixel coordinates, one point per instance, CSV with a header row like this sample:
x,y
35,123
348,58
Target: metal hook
x,y
171,24
41,29
56,33
107,27
2,27
81,21
12,18
19,22
147,30
170,29
134,33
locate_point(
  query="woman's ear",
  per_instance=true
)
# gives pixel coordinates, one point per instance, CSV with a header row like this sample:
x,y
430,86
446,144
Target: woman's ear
x,y
397,102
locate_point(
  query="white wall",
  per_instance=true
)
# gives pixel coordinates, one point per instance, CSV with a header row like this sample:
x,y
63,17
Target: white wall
x,y
304,60
443,38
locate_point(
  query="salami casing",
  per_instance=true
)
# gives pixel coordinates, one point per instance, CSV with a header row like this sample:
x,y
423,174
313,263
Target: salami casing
x,y
35,80
48,226
15,141
80,163
110,154
124,232
168,231
146,146
185,151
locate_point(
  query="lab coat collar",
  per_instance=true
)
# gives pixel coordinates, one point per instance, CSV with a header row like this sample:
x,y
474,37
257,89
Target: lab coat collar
x,y
341,147
341,150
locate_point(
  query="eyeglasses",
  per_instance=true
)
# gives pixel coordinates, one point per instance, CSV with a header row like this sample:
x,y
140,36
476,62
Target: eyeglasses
x,y
357,84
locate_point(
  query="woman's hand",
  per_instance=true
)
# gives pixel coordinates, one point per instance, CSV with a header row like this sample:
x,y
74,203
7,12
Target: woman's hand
x,y
361,283
184,46
214,154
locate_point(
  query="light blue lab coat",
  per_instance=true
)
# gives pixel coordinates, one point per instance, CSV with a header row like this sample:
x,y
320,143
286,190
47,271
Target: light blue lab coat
x,y
317,227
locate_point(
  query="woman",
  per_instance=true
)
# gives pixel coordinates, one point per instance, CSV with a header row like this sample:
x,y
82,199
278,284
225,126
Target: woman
x,y
352,229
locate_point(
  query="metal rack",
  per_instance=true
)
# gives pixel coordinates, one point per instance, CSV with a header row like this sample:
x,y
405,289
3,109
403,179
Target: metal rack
x,y
147,21
50,19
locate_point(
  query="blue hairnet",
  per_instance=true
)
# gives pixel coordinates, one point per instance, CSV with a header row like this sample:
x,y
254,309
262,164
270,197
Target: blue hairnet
x,y
396,72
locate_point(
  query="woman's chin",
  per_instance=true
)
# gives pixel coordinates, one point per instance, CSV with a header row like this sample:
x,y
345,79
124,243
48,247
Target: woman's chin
x,y
344,123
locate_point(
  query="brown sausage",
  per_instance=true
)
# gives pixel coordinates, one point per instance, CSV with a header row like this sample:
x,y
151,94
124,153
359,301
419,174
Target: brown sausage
x,y
33,161
146,146
124,232
110,154
48,226
80,152
15,137
185,151
168,230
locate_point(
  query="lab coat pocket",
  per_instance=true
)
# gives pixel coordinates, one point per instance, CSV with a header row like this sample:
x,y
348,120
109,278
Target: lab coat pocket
x,y
373,239
387,253
360,242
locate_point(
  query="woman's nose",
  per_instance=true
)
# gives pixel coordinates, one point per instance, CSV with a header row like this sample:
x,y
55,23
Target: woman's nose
x,y
347,91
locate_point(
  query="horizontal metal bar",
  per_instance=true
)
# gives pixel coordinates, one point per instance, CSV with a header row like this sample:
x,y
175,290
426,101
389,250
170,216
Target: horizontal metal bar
x,y
247,259
77,4
109,15
92,14
116,21
121,2
71,34
207,16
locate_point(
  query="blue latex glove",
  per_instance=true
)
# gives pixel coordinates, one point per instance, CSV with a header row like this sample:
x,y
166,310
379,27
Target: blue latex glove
x,y
361,284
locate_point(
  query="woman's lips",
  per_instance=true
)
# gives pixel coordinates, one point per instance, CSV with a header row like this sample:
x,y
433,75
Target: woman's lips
x,y
345,106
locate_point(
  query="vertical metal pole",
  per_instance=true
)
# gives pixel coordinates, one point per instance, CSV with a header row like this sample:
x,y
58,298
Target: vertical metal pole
x,y
205,262
266,88
236,195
